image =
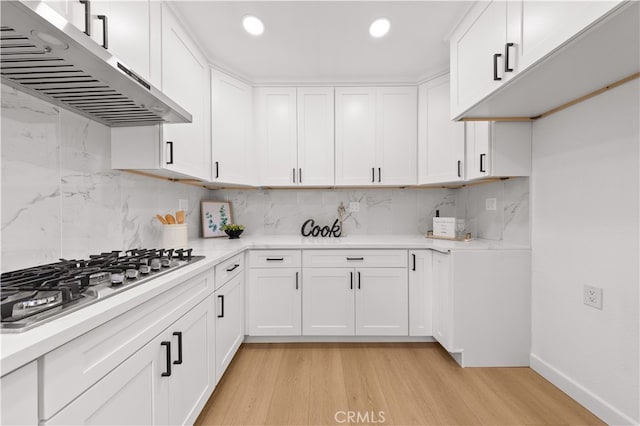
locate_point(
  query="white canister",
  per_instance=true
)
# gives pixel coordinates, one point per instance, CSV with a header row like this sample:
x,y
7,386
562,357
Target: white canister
x,y
175,236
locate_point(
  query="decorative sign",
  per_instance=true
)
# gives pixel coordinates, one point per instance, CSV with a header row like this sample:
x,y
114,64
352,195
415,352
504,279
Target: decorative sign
x,y
310,229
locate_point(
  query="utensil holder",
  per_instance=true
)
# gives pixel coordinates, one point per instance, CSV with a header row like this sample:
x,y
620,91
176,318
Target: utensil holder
x,y
175,236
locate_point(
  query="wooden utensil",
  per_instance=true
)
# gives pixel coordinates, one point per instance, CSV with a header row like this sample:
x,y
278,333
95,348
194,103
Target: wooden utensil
x,y
180,216
161,219
170,219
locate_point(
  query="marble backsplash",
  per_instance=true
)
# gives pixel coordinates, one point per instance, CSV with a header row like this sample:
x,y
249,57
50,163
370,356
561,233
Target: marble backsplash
x,y
60,197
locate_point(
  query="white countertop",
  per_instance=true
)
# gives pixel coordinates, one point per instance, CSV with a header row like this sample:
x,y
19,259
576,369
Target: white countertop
x,y
21,348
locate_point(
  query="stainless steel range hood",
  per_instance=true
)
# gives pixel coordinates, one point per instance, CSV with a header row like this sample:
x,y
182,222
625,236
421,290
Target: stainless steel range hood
x,y
45,55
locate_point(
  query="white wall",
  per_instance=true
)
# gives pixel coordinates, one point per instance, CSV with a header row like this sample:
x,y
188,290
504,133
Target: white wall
x,y
585,217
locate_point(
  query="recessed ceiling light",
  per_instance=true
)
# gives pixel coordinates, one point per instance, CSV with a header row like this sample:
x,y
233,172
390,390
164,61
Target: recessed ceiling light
x,y
379,27
253,25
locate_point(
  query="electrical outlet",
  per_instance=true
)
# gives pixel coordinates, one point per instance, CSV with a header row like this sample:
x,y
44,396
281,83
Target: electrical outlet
x,y
490,203
354,206
593,296
183,205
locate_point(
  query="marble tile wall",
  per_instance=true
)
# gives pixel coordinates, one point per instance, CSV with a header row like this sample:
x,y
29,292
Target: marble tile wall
x,y
60,197
393,211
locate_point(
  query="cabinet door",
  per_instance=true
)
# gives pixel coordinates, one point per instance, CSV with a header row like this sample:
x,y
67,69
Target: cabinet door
x,y
231,128
134,393
477,156
420,293
315,136
128,33
19,393
72,10
229,326
355,136
328,302
472,55
382,302
538,27
275,302
441,144
192,357
396,135
184,79
442,300
276,133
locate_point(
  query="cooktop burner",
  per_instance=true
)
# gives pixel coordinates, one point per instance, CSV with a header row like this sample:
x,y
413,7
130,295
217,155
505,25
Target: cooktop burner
x,y
33,296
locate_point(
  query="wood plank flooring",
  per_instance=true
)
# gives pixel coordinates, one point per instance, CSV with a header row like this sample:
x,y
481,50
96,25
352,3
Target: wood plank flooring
x,y
410,383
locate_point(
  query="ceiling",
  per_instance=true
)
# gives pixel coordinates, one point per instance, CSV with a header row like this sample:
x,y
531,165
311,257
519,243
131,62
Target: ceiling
x,y
325,41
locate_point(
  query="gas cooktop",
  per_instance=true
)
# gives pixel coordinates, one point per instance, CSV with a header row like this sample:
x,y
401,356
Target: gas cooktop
x,y
33,296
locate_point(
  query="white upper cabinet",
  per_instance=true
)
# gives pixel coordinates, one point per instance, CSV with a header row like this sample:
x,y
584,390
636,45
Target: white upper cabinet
x,y
185,77
498,40
355,135
294,129
231,131
440,140
498,149
397,129
176,150
476,56
315,136
277,135
536,28
376,135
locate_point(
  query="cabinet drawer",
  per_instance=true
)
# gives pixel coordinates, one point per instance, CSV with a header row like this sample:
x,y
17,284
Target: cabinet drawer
x,y
355,258
75,366
229,269
275,259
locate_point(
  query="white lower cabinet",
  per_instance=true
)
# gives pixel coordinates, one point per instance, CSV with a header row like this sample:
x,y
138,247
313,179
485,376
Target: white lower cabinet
x,y
329,302
482,306
382,302
168,380
19,396
275,302
420,293
229,322
361,301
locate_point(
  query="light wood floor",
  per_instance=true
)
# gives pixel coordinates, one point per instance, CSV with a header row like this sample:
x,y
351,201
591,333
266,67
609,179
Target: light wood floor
x,y
412,383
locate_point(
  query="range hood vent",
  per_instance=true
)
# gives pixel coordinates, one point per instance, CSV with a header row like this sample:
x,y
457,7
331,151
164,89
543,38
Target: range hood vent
x,y
61,65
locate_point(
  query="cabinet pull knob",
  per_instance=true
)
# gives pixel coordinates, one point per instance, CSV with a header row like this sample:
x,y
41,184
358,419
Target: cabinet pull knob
x,y
170,145
414,262
355,258
300,175
296,280
234,267
221,297
373,174
294,174
275,259
87,16
506,57
359,280
459,168
167,372
217,170
105,30
495,66
179,335
379,174
351,280
482,168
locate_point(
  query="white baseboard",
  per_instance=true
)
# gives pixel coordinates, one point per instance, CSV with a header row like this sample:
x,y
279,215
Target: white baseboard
x,y
336,339
582,395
